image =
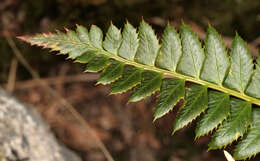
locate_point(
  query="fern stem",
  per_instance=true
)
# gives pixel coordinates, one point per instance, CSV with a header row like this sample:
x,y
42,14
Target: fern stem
x,y
184,77
173,74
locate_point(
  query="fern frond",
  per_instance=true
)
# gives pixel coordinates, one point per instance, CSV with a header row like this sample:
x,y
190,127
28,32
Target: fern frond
x,y
221,89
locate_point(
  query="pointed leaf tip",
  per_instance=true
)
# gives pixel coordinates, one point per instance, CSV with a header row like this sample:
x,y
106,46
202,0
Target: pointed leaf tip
x,y
24,38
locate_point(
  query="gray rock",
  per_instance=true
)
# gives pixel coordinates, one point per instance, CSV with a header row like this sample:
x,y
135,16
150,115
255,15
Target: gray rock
x,y
24,136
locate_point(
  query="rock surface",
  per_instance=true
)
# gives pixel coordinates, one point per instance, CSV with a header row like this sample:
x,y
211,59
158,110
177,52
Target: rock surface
x,y
25,137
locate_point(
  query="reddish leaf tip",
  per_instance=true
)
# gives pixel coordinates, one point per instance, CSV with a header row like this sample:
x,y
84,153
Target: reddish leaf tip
x,y
66,29
57,31
23,38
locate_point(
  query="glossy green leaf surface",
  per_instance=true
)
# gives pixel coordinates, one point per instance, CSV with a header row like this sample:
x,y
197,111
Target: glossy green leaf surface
x,y
241,65
112,40
97,63
131,77
196,102
171,51
171,92
218,110
235,126
129,43
216,62
111,73
193,55
148,46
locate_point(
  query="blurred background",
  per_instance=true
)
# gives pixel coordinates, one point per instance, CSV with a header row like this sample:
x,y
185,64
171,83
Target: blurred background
x,y
127,130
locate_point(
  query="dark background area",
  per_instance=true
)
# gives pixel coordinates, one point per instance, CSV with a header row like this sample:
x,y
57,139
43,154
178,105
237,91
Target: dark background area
x,y
126,129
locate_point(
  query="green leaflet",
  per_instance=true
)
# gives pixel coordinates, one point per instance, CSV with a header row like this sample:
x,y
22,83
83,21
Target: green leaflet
x,y
193,55
97,63
131,77
149,45
250,145
171,51
196,102
112,40
171,92
218,110
235,125
83,34
111,73
216,62
254,86
129,43
96,36
151,82
241,66
85,57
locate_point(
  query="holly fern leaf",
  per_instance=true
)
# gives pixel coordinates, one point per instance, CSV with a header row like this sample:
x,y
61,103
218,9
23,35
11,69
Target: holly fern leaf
x,y
222,88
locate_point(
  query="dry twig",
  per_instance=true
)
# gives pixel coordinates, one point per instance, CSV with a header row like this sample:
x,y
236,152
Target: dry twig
x,y
55,80
12,75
